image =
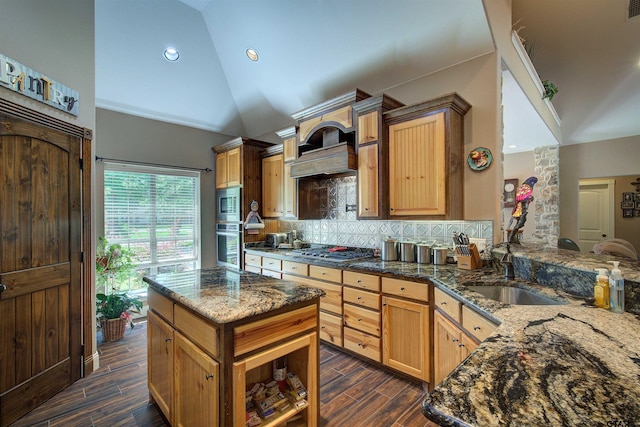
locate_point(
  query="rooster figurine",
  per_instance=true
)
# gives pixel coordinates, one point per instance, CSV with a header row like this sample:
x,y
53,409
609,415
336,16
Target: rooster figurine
x,y
524,196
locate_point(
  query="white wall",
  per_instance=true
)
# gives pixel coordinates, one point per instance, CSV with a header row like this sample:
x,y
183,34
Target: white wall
x,y
615,157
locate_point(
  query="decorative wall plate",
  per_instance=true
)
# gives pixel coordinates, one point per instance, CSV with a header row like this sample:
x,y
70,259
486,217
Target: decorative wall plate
x,y
479,158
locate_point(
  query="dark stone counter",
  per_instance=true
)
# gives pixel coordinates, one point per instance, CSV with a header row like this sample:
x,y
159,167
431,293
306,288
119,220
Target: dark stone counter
x,y
226,295
570,364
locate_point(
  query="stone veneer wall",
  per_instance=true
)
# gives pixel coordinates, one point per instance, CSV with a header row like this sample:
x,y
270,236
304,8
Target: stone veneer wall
x,y
339,225
547,195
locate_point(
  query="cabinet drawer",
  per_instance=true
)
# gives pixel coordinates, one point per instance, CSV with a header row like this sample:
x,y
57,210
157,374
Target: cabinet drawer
x,y
363,344
199,330
271,264
332,301
331,328
404,288
295,268
253,269
477,325
447,304
269,273
266,331
251,259
360,297
361,280
362,319
325,273
160,304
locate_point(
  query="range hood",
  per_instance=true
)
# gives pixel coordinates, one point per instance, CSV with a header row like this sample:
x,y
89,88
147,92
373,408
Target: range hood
x,y
329,151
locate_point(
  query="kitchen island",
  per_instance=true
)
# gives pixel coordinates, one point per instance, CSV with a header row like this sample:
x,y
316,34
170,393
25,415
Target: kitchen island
x,y
570,364
213,333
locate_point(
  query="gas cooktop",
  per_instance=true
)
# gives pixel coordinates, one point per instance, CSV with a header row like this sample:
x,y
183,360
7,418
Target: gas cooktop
x,y
333,253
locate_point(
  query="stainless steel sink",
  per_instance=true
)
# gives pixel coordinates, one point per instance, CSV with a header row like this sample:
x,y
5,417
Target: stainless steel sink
x,y
514,296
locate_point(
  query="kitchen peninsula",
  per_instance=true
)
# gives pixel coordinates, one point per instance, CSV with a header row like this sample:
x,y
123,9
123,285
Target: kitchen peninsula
x,y
567,364
213,333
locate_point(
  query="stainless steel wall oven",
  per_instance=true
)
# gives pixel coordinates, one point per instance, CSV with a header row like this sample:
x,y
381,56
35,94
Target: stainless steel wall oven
x,y
229,244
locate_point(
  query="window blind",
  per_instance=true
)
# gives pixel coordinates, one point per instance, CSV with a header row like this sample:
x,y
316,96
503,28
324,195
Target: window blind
x,y
154,212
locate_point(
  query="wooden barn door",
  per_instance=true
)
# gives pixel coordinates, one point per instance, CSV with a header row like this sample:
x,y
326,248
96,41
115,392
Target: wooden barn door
x,y
40,265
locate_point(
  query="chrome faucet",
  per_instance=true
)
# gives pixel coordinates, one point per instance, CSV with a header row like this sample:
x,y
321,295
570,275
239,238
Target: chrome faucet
x,y
507,261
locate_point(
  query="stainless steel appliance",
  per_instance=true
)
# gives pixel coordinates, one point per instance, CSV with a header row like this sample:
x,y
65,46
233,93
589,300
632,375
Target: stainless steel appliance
x,y
229,244
335,253
274,239
228,207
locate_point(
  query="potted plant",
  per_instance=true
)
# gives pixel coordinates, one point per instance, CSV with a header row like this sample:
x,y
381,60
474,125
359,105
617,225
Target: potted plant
x,y
114,312
550,89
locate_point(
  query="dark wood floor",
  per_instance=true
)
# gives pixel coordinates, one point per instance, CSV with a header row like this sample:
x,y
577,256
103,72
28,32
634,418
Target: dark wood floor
x,y
352,393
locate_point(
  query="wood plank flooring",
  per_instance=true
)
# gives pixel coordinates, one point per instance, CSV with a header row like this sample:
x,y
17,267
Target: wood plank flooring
x,y
352,393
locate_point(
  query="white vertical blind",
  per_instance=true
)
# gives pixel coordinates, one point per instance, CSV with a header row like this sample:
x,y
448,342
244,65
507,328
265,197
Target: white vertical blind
x,y
154,212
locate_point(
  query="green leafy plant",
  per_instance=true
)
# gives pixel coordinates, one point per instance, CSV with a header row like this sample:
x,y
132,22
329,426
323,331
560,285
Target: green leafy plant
x,y
550,89
112,258
117,306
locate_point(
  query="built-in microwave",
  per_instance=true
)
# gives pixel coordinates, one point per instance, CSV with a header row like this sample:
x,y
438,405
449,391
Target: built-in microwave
x,y
228,207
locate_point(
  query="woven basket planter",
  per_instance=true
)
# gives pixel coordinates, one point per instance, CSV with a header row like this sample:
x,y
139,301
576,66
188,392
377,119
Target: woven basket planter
x,y
113,329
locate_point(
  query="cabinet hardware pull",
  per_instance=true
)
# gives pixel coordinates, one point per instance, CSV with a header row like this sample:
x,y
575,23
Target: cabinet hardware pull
x,y
2,288
476,328
322,327
167,340
208,376
460,345
359,281
455,340
443,303
359,297
323,273
359,320
402,288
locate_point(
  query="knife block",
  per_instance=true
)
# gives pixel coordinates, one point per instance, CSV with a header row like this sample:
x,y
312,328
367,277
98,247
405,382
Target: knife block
x,y
469,262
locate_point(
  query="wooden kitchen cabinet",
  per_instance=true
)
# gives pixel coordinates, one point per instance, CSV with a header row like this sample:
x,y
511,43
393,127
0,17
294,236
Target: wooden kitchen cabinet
x,y
405,336
290,193
427,159
290,148
368,127
229,168
417,172
451,346
272,187
160,363
368,175
196,386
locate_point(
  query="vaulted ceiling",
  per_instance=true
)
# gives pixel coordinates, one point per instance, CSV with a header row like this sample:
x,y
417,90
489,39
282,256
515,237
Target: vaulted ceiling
x,y
313,50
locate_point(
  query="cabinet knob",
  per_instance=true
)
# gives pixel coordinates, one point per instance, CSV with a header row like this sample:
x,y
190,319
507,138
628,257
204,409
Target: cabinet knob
x,y
359,298
476,328
359,281
402,288
208,377
322,327
460,345
443,303
167,340
455,340
2,288
359,320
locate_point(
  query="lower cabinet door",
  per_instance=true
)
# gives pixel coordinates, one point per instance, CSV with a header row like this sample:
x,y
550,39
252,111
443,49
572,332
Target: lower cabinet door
x,y
405,336
448,349
160,363
196,379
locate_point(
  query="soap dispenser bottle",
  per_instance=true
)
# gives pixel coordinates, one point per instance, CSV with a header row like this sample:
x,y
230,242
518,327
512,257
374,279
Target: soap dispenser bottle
x,y
601,288
616,289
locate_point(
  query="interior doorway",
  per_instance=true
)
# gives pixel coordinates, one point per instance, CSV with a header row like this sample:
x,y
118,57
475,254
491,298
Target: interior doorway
x,y
596,217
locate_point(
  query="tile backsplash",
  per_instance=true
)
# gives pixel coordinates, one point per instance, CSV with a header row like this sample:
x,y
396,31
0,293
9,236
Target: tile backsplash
x,y
339,225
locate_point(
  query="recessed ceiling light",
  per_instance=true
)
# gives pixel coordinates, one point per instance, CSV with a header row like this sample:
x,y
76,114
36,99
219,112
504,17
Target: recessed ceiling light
x,y
171,54
512,146
252,54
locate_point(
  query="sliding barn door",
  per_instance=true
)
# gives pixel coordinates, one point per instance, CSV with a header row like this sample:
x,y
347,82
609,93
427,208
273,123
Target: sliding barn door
x,y
40,268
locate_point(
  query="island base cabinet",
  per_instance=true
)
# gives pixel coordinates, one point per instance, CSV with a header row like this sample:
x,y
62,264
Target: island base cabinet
x,y
160,363
302,359
451,346
196,383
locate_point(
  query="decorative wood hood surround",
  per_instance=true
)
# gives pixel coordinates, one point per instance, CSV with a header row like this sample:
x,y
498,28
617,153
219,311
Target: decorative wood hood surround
x,y
326,137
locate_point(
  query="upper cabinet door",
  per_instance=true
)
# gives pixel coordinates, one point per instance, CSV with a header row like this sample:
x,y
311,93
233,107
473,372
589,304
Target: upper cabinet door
x,y
234,167
221,170
368,169
290,149
417,167
272,186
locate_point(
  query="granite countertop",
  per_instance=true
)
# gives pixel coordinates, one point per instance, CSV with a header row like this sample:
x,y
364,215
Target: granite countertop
x,y
570,364
225,295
